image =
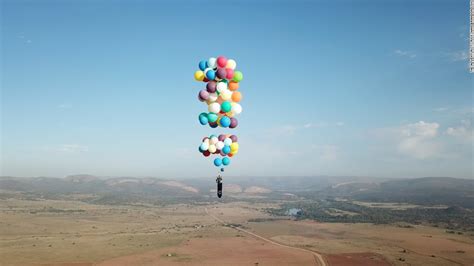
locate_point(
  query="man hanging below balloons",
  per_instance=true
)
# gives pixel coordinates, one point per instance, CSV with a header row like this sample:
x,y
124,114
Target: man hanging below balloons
x,y
222,98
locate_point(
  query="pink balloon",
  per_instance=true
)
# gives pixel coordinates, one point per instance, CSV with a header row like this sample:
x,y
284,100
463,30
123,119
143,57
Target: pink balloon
x,y
230,73
221,61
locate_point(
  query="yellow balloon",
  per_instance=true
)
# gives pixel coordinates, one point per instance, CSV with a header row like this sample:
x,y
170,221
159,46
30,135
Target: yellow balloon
x,y
229,114
234,147
199,75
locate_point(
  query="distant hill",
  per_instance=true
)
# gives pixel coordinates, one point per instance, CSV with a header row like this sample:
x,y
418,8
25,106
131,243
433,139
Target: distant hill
x,y
123,190
425,191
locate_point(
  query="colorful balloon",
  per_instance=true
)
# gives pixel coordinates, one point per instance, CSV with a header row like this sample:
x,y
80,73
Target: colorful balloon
x,y
221,86
212,63
202,65
226,149
199,75
223,103
237,76
203,95
233,122
214,108
211,86
221,61
233,86
231,64
210,74
212,117
226,107
225,121
203,119
218,162
236,96
236,109
229,73
225,161
221,73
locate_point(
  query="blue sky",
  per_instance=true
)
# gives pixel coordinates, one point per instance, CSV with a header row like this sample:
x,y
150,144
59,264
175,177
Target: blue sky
x,y
366,88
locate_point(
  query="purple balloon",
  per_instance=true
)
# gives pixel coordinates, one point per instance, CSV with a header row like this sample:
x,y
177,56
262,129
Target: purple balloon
x,y
211,86
213,125
221,73
203,95
221,137
233,123
233,138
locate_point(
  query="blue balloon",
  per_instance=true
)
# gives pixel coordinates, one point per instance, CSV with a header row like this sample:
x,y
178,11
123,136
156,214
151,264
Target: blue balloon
x,y
225,161
201,150
203,119
218,162
203,65
210,75
225,121
226,149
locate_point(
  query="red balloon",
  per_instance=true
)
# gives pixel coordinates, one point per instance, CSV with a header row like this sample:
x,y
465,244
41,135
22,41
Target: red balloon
x,y
221,61
229,73
206,153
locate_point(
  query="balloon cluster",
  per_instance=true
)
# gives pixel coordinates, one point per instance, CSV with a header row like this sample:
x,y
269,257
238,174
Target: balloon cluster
x,y
224,145
221,93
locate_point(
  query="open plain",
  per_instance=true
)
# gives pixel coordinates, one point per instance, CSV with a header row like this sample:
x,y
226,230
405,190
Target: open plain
x,y
57,232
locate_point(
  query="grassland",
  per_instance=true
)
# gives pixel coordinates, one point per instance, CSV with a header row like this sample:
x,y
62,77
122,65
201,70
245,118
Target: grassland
x,y
59,232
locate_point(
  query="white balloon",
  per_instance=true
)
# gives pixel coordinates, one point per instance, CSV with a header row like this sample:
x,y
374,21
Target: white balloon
x,y
228,141
236,109
220,145
204,146
221,86
212,148
212,97
214,140
231,64
226,95
214,108
212,62
206,141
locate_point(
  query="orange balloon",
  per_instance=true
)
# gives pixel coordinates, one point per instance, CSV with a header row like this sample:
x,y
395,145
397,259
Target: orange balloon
x,y
230,154
236,96
233,86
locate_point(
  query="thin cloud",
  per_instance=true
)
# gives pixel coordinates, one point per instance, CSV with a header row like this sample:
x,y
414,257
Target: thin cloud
x,y
65,106
441,109
416,140
402,53
458,56
73,148
463,131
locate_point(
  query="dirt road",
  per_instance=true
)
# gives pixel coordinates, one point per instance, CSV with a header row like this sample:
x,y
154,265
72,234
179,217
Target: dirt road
x,y
318,257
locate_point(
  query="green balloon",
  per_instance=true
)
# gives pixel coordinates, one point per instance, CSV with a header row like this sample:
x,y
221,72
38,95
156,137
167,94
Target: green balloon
x,y
226,106
238,76
212,117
